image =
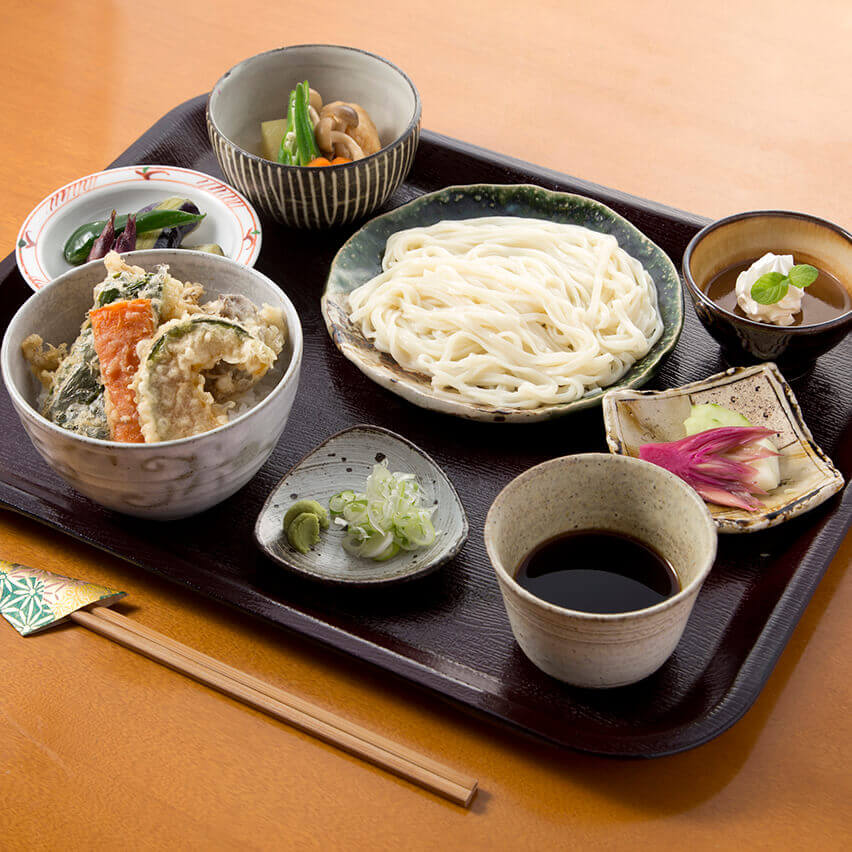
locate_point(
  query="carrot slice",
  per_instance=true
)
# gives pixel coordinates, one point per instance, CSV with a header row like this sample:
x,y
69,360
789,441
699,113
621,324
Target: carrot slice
x,y
117,329
324,161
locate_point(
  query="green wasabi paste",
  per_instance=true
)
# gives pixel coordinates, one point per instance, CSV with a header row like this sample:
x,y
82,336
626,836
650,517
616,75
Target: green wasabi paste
x,y
302,524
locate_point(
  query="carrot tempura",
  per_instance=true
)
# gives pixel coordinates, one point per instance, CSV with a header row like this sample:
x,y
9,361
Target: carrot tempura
x,y
117,329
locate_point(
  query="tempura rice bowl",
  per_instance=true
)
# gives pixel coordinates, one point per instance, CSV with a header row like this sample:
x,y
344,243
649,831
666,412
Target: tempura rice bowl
x,y
169,479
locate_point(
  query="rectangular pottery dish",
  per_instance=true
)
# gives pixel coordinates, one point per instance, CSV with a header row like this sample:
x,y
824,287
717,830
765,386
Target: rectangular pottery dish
x,y
763,396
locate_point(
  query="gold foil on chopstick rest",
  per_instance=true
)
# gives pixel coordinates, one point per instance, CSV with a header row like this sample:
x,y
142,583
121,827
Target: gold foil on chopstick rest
x,y
32,599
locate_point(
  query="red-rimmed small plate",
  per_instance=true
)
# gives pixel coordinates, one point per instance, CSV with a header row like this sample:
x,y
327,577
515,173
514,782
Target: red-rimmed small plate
x,y
231,220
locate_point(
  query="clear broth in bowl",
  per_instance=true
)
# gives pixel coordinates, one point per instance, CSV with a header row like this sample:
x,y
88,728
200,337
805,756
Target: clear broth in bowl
x,y
825,299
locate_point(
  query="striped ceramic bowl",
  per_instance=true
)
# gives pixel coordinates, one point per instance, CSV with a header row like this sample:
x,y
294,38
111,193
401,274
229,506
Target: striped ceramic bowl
x,y
257,90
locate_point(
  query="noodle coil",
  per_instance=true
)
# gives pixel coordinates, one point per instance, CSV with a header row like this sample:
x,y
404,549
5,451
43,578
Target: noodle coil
x,y
509,312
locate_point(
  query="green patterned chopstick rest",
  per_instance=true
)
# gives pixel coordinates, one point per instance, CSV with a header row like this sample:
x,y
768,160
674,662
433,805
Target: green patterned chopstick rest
x,y
32,599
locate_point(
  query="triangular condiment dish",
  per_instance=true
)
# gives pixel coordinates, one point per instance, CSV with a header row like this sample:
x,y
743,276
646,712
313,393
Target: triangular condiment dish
x,y
342,462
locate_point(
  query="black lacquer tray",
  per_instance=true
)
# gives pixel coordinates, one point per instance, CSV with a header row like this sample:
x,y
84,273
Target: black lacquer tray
x,y
449,631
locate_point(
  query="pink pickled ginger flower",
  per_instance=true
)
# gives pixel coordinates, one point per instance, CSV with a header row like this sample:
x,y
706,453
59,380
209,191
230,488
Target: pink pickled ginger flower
x,y
716,463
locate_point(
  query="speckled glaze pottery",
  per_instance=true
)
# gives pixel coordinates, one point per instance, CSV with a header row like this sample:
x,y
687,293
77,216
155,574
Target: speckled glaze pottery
x,y
257,90
599,491
171,479
360,259
748,236
343,462
760,394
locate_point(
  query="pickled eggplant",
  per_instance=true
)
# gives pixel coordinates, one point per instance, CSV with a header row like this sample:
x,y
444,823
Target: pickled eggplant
x,y
168,237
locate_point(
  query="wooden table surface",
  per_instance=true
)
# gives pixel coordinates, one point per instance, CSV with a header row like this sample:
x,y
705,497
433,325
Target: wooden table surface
x,y
712,107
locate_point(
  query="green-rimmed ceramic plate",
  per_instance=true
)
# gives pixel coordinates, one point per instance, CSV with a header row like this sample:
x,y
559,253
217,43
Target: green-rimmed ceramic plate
x,y
360,259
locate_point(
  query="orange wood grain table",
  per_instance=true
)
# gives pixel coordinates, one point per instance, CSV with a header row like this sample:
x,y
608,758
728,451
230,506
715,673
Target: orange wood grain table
x,y
712,107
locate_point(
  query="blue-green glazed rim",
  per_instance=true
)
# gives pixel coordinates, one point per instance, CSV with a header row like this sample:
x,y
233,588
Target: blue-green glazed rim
x,y
359,260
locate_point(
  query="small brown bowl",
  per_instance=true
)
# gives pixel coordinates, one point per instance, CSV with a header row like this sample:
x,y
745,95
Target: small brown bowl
x,y
743,237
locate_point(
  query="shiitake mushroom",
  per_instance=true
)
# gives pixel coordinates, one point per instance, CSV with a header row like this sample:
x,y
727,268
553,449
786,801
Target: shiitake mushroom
x,y
345,129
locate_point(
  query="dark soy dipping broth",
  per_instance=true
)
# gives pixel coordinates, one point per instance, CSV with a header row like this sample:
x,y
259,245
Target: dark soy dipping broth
x,y
597,571
826,299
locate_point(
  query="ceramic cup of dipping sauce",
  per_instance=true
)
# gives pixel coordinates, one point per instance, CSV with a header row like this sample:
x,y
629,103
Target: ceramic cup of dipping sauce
x,y
614,494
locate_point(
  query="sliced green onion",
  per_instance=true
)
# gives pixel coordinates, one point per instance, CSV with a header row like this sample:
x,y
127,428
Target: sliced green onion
x,y
391,551
337,503
415,531
386,518
371,547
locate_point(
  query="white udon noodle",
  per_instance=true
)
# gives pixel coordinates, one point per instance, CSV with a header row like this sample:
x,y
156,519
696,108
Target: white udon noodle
x,y
509,312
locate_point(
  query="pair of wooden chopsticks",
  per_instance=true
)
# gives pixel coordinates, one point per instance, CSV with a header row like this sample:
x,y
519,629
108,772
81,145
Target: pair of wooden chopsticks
x,y
295,711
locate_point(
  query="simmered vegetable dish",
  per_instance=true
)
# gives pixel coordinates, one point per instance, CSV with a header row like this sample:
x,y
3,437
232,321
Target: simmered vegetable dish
x,y
317,134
